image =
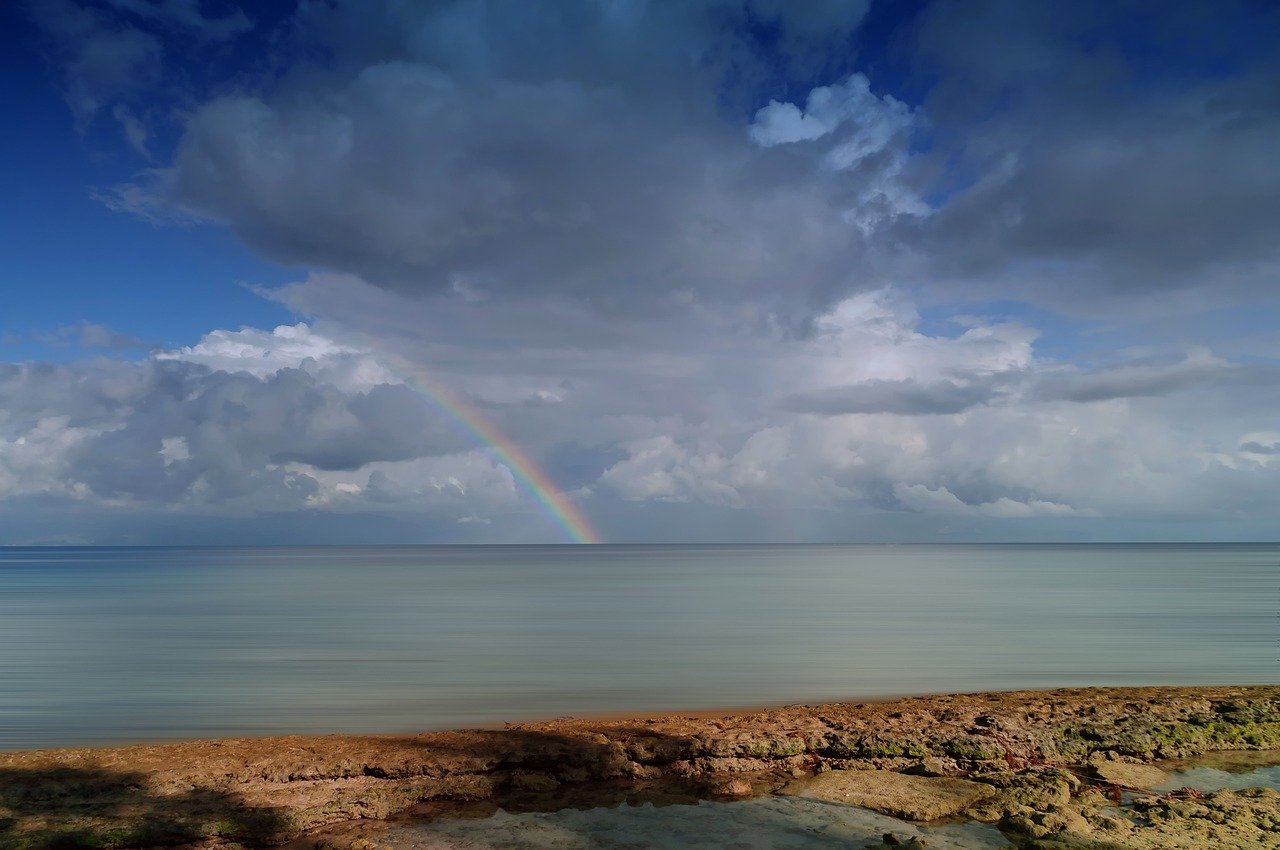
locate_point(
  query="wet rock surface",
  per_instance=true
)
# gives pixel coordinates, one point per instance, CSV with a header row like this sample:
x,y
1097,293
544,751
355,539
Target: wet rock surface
x,y
1041,755
1225,819
903,795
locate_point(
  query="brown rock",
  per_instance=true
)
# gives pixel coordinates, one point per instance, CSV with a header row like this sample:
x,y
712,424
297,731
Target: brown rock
x,y
734,788
935,766
1129,775
533,782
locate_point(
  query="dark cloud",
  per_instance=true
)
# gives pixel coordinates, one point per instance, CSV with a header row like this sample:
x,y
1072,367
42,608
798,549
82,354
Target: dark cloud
x,y
1256,448
1104,148
509,190
607,154
594,152
1136,381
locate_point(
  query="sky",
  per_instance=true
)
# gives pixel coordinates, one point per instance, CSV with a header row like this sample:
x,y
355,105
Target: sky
x,y
543,271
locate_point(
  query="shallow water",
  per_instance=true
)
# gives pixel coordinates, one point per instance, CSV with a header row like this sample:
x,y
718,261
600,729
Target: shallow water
x,y
110,645
1216,773
785,823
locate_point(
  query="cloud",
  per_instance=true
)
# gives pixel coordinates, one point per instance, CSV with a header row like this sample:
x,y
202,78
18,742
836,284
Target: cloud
x,y
1199,367
1022,381
265,353
247,420
186,14
942,501
710,261
1096,161
115,55
135,132
436,152
104,59
642,157
1266,443
873,123
590,196
310,418
973,425
908,398
90,335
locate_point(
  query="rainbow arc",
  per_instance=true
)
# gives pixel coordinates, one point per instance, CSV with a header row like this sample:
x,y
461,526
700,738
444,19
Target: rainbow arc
x,y
527,472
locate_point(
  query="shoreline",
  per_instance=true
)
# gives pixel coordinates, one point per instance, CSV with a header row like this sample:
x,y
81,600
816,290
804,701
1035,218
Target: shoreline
x,y
1034,754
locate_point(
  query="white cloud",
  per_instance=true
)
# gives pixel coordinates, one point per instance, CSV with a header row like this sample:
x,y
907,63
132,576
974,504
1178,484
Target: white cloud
x,y
912,423
242,421
264,353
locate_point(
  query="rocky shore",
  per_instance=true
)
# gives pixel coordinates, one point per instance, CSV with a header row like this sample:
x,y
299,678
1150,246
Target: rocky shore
x,y
1050,768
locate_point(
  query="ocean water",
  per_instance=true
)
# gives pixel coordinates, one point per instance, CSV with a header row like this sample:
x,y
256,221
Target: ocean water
x,y
106,645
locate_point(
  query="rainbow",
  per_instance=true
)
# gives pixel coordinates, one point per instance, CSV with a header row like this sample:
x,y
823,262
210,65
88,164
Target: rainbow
x,y
525,469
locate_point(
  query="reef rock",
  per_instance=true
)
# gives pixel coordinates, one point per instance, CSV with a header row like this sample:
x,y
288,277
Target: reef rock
x,y
918,798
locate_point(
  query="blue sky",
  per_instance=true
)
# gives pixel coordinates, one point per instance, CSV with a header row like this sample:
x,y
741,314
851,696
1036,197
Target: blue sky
x,y
732,269
70,258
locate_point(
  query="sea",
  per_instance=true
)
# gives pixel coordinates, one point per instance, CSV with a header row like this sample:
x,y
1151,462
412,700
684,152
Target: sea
x,y
112,645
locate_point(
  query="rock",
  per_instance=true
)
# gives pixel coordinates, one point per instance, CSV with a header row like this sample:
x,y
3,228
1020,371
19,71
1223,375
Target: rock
x,y
917,798
973,748
734,788
266,791
935,766
1129,775
1226,820
533,782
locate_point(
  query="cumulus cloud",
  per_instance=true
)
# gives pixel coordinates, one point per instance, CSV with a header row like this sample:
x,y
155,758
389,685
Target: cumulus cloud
x,y
244,420
926,425
963,426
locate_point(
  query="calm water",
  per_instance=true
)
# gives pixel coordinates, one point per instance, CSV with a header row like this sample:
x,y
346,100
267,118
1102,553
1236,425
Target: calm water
x,y
765,823
107,645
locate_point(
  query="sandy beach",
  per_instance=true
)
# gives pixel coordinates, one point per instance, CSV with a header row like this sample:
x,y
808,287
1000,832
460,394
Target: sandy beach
x,y
1045,767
